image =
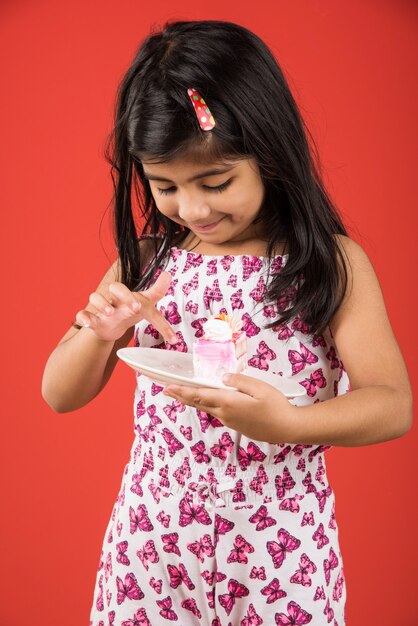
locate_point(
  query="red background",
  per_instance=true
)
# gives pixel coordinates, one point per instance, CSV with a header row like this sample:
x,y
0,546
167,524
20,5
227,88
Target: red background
x,y
352,67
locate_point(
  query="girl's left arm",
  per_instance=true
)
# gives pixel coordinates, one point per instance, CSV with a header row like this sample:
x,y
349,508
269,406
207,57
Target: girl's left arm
x,y
378,407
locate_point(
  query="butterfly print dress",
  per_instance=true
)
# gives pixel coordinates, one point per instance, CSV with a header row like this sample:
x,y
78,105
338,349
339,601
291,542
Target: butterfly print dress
x,y
210,528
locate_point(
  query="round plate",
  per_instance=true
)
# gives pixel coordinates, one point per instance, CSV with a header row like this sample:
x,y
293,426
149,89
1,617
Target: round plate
x,y
170,366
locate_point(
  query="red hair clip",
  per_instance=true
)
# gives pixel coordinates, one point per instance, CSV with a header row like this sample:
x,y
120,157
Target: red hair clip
x,y
202,110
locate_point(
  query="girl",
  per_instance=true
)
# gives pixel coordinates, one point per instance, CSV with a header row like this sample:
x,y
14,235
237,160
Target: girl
x,y
225,515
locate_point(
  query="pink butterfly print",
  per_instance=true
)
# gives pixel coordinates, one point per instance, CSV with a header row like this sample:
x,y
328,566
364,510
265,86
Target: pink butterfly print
x,y
171,288
209,577
329,612
238,552
172,442
171,313
207,420
148,433
252,618
232,281
175,253
190,512
332,356
121,556
191,285
164,519
318,340
316,380
170,540
199,452
248,326
202,547
149,460
296,616
262,519
212,294
299,448
313,453
186,431
180,346
139,619
155,490
182,472
222,526
179,575
253,453
119,527
306,567
308,519
320,472
330,564
258,572
286,299
236,300
172,409
231,470
300,360
223,447
280,457
268,311
226,262
276,265
111,616
291,504
273,591
321,496
301,465
140,519
283,331
284,483
260,479
250,265
297,324
264,354
163,473
193,260
161,453
191,605
166,609
278,550
197,324
151,330
191,307
148,553
235,590
332,521
157,585
212,267
110,536
257,293
99,601
155,389
140,407
128,589
337,591
319,593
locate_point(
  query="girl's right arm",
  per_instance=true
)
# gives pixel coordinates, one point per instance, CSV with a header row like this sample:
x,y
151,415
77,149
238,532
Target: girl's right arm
x,y
84,359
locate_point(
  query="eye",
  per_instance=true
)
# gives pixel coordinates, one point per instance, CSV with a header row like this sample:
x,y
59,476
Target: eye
x,y
219,188
164,192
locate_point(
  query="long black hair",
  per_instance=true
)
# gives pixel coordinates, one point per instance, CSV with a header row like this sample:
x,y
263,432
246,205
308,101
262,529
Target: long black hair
x,y
256,116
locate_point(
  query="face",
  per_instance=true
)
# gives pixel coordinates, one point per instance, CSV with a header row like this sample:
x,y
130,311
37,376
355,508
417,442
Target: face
x,y
217,201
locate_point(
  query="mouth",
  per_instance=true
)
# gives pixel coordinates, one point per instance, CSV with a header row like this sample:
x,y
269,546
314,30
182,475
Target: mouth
x,y
204,227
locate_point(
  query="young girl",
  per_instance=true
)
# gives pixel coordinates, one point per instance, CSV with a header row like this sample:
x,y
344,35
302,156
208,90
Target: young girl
x,y
225,515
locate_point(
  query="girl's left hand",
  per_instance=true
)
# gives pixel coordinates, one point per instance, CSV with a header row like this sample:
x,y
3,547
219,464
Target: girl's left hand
x,y
256,409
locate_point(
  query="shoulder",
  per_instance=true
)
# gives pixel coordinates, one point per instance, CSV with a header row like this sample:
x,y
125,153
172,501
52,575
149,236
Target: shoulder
x,y
357,265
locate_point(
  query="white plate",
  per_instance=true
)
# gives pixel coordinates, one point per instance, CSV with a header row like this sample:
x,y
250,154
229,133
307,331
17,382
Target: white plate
x,y
170,366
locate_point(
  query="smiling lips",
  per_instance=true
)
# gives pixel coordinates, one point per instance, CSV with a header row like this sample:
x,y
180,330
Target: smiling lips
x,y
205,227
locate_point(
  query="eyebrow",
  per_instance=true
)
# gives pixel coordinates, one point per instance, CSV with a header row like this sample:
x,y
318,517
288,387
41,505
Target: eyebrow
x,y
213,172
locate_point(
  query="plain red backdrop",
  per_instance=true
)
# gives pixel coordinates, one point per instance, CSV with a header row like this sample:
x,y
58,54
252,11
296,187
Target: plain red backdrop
x,y
352,67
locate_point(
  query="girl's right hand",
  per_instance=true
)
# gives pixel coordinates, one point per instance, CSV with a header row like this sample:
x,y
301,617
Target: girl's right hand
x,y
124,308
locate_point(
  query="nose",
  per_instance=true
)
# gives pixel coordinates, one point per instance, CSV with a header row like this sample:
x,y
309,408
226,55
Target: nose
x,y
193,208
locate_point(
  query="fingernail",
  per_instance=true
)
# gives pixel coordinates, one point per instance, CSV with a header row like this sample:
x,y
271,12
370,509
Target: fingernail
x,y
108,310
172,339
86,324
136,306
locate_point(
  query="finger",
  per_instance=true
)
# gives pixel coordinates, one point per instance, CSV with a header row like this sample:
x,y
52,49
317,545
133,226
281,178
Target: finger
x,y
199,397
159,288
100,303
86,319
160,323
246,384
122,295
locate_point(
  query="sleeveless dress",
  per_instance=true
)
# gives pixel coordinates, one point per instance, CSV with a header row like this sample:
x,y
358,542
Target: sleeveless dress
x,y
210,528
